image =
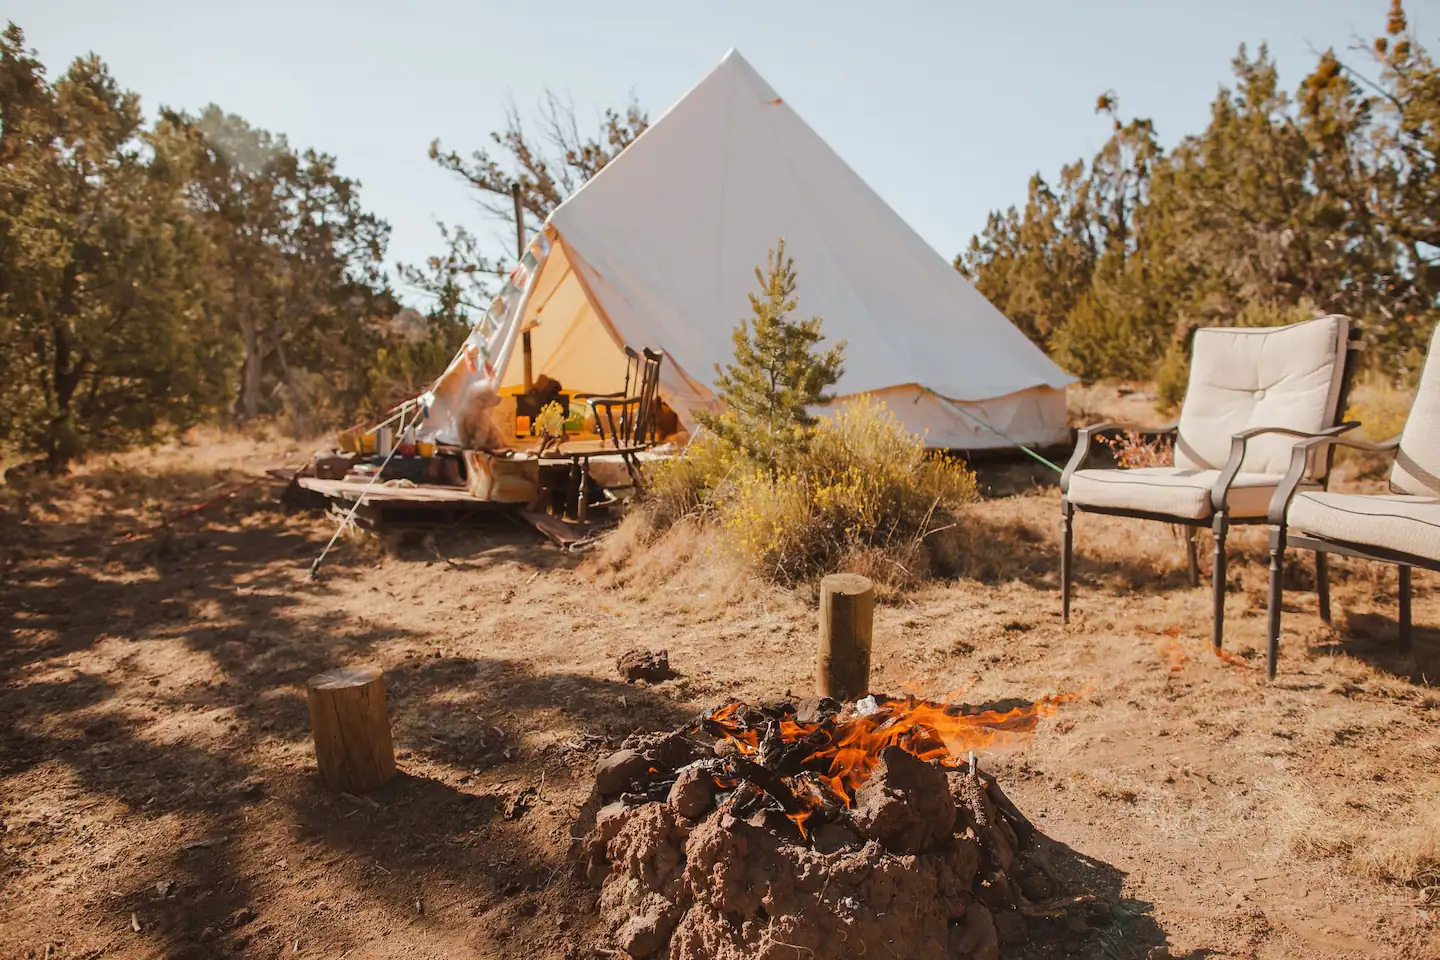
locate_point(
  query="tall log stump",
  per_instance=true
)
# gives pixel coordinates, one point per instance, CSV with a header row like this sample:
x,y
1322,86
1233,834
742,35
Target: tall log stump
x,y
847,618
351,728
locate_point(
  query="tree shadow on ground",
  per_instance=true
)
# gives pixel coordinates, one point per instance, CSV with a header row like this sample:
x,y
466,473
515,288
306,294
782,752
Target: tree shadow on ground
x,y
1375,639
1115,926
1004,549
199,769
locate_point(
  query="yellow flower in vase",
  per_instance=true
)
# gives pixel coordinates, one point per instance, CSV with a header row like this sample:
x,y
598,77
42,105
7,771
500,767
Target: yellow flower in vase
x,y
550,425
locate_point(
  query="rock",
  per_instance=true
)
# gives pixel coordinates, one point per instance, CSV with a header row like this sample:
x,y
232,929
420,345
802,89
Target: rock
x,y
614,773
1099,914
649,930
813,709
1009,926
652,666
1036,886
974,810
608,823
665,751
961,862
975,937
905,805
834,837
692,792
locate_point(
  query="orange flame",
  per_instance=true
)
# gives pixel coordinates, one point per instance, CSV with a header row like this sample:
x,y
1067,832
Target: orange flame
x,y
844,754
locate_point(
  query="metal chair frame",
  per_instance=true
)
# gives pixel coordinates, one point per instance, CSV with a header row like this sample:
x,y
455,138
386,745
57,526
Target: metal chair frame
x,y
1219,521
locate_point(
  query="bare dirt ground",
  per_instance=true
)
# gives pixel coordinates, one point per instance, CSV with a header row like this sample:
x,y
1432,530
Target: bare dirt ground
x,y
159,797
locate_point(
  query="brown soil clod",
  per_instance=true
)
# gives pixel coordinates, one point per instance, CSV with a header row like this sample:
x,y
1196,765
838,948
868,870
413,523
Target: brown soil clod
x,y
652,666
719,855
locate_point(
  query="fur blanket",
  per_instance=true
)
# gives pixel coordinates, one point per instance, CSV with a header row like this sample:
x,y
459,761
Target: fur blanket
x,y
476,421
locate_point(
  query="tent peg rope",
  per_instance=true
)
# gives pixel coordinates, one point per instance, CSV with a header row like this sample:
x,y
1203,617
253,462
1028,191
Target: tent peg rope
x,y
975,418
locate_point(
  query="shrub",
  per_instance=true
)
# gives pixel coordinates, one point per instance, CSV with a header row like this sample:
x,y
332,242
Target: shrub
x,y
1380,406
863,494
1132,450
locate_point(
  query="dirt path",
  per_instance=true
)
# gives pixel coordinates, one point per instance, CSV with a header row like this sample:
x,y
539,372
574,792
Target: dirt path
x,y
155,771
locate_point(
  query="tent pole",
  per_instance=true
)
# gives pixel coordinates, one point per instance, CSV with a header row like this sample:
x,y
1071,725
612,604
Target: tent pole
x,y
519,256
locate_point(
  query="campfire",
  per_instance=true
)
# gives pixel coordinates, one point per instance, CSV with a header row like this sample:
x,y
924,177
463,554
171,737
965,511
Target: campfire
x,y
818,829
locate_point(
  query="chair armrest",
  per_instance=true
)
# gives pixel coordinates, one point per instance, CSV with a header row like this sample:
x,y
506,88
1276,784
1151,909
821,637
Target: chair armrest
x,y
1239,441
1086,436
598,396
1299,460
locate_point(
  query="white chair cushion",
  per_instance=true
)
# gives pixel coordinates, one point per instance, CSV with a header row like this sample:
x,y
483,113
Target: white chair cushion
x,y
1417,462
1260,377
1171,491
1388,521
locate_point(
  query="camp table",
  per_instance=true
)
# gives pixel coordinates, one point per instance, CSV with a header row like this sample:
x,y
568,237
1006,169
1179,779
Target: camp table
x,y
578,453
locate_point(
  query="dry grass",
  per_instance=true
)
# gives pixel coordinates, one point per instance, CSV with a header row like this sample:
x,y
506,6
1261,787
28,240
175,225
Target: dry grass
x,y
1223,815
861,495
1382,408
1379,405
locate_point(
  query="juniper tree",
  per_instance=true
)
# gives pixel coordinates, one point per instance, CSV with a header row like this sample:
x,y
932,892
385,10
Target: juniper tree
x,y
779,373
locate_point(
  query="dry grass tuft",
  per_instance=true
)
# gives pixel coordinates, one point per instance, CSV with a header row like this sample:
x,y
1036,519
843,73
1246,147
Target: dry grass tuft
x,y
1382,845
862,495
1408,855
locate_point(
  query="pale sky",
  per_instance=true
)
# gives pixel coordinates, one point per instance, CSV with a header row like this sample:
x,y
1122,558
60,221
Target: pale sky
x,y
945,108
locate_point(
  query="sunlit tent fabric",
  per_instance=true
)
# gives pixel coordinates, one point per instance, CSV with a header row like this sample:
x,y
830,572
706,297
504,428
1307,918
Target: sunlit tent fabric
x,y
659,250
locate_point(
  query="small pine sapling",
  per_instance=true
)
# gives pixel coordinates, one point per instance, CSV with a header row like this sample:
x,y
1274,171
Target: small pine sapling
x,y
779,372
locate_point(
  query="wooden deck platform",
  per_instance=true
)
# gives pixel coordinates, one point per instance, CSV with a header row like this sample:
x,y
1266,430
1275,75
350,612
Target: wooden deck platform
x,y
420,503
431,504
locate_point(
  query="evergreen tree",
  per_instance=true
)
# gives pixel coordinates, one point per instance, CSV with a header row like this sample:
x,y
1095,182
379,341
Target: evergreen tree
x,y
779,373
98,312
1280,208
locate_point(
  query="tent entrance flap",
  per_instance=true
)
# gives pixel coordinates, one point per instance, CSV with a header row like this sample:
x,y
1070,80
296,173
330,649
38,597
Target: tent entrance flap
x,y
569,340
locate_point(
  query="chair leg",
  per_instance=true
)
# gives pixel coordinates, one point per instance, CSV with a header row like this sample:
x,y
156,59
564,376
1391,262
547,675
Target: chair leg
x,y
1322,584
1217,629
1405,625
1192,555
1067,515
1272,620
582,505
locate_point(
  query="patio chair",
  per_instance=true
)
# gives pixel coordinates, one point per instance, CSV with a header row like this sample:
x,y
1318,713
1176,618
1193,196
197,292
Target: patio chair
x,y
1400,527
1251,392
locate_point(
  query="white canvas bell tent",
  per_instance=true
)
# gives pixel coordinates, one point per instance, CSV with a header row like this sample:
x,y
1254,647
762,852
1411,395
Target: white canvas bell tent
x,y
659,250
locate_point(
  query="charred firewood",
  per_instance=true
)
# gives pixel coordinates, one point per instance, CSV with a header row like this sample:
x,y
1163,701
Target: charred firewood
x,y
1024,829
770,782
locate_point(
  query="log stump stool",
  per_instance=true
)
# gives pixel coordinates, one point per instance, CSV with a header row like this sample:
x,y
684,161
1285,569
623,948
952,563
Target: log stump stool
x,y
351,728
847,617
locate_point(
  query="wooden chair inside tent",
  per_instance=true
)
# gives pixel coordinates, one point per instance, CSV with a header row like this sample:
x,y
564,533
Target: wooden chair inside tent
x,y
630,422
626,425
632,375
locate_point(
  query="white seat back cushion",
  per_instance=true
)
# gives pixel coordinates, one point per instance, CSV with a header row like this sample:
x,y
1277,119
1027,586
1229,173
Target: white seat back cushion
x,y
1417,463
1260,377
